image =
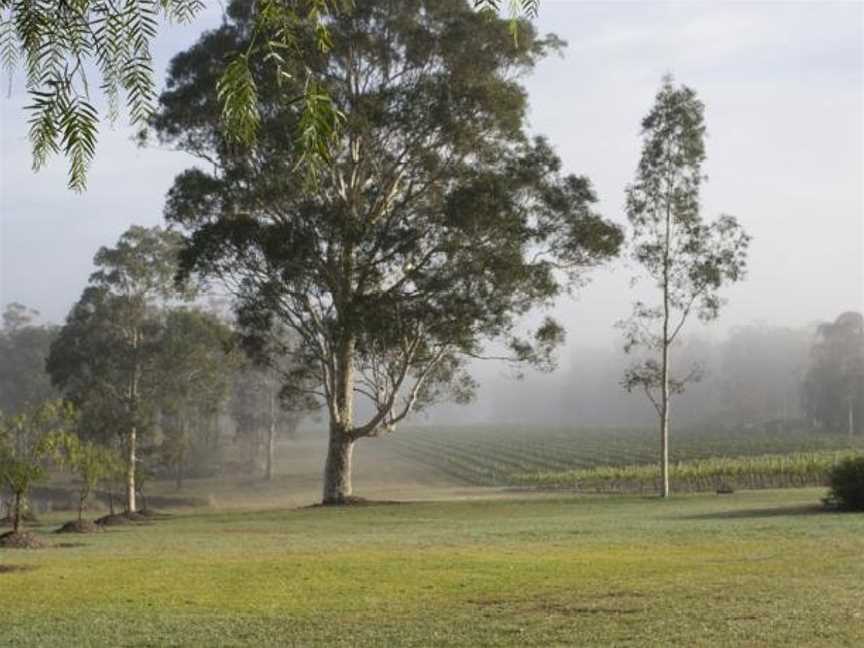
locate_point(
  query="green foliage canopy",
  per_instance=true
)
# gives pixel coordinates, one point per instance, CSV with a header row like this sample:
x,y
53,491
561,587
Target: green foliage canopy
x,y
106,358
27,440
439,221
687,259
91,462
24,347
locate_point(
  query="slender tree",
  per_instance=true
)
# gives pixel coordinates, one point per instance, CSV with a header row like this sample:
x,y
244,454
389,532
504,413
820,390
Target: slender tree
x,y
27,440
106,357
687,259
91,462
438,224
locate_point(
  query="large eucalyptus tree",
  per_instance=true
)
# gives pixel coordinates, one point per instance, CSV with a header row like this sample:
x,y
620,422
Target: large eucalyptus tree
x,y
438,224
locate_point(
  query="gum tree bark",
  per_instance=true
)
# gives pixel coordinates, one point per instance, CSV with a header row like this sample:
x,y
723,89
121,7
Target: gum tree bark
x,y
337,467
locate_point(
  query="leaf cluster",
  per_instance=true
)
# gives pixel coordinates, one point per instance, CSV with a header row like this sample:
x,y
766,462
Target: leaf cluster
x,y
29,439
57,42
91,462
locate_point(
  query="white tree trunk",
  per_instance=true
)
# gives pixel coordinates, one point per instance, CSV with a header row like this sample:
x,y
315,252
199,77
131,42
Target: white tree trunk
x,y
337,468
130,469
664,388
664,429
133,429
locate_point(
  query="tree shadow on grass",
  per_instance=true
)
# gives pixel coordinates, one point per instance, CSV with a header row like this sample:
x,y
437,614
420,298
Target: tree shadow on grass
x,y
8,569
754,514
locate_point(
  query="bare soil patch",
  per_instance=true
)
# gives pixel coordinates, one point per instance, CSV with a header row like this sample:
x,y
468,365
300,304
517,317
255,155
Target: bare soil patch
x,y
82,526
122,519
21,540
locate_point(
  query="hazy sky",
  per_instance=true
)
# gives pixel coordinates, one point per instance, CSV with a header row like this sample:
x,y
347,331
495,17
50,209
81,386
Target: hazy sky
x,y
783,85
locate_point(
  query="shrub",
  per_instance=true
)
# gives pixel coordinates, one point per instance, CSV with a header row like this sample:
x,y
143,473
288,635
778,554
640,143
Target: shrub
x,y
847,484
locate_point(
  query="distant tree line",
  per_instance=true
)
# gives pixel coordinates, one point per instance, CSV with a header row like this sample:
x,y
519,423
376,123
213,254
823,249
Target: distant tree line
x,y
150,373
833,387
760,377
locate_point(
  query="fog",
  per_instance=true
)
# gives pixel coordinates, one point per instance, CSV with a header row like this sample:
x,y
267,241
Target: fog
x,y
783,86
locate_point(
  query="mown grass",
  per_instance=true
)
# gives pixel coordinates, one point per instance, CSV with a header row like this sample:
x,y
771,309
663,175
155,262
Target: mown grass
x,y
757,569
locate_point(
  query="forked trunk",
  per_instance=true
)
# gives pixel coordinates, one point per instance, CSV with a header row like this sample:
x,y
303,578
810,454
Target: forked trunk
x,y
851,418
337,469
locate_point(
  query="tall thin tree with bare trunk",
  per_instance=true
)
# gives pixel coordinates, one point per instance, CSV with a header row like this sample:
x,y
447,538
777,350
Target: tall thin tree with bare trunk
x,y
687,260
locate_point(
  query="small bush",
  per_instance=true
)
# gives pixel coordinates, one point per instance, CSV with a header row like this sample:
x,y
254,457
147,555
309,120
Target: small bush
x,y
847,484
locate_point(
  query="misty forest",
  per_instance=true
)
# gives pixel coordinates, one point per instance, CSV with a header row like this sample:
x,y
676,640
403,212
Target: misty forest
x,y
420,323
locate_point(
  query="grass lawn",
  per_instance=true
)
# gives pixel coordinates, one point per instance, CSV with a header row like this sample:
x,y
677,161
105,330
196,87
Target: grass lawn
x,y
761,568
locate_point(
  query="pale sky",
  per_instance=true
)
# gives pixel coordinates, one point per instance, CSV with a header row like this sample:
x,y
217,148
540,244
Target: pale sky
x,y
783,85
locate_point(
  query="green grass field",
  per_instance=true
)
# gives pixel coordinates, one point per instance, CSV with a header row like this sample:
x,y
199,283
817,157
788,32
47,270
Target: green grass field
x,y
766,568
